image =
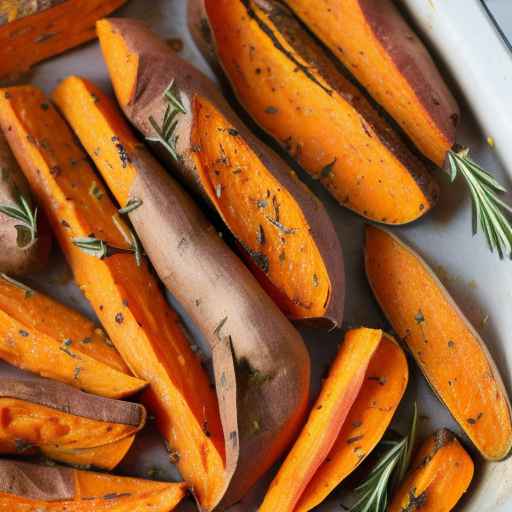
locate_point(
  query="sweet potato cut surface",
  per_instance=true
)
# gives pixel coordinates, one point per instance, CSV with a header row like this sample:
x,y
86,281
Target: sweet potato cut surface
x,y
264,408
384,384
283,228
290,87
440,474
375,43
449,351
105,457
34,31
28,488
43,336
338,394
16,260
36,414
264,216
125,296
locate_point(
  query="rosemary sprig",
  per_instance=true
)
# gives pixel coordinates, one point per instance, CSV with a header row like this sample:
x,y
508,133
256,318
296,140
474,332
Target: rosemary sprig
x,y
23,212
165,133
373,493
488,209
99,248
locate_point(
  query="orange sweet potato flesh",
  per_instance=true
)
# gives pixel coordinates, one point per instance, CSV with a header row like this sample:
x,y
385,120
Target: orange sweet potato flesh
x,y
29,36
45,337
265,217
384,385
286,82
448,350
35,425
338,394
372,39
105,457
28,488
126,297
440,474
282,228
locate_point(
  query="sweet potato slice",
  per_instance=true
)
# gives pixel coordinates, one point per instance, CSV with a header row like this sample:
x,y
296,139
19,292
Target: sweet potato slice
x,y
281,225
338,394
36,414
262,412
449,351
34,31
384,384
28,487
19,256
375,43
291,88
125,296
43,336
440,474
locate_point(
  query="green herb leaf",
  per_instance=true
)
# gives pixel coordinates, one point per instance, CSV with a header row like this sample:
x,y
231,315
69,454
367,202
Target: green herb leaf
x,y
373,493
489,211
99,248
165,134
23,212
131,205
28,291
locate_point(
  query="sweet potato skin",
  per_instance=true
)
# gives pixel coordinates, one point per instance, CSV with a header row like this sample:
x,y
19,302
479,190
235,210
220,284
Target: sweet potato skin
x,y
440,474
448,350
227,304
26,487
36,335
126,297
265,54
159,67
406,82
42,30
13,260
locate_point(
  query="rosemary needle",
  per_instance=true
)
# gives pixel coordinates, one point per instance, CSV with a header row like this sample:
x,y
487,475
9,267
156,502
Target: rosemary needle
x,y
99,248
489,211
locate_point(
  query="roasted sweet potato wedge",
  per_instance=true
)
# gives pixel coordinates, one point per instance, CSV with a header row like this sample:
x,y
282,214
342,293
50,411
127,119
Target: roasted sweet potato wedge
x,y
338,394
262,411
290,87
448,350
124,293
281,225
384,385
41,335
32,31
440,474
43,413
28,487
375,43
25,247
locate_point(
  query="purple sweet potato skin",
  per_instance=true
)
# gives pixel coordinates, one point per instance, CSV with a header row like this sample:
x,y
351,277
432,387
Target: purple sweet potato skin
x,y
414,62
